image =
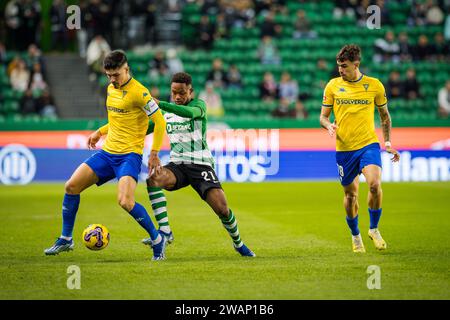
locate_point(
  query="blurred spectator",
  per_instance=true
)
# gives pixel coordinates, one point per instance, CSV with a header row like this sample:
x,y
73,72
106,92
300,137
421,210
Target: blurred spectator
x,y
440,48
2,53
28,104
269,27
209,7
361,13
14,25
418,13
174,5
394,86
411,85
46,106
222,27
322,65
268,88
425,13
98,20
288,88
285,109
387,49
244,15
34,55
444,100
20,76
206,33
447,28
300,111
23,20
58,25
158,66
422,50
281,7
262,6
212,99
434,15
268,52
174,63
32,21
302,26
82,33
342,7
150,21
97,49
234,77
37,81
384,12
13,65
405,47
217,74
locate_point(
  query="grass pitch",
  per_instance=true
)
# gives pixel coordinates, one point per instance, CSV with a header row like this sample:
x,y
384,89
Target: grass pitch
x,y
297,230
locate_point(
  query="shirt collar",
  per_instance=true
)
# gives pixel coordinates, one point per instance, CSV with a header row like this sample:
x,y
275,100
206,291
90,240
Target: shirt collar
x,y
123,86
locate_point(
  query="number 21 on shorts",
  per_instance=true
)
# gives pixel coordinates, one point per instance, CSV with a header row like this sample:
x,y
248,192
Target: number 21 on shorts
x,y
206,177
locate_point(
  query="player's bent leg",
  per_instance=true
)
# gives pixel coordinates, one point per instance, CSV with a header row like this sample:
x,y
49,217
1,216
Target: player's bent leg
x,y
82,178
159,207
351,208
166,179
155,183
216,199
375,196
126,189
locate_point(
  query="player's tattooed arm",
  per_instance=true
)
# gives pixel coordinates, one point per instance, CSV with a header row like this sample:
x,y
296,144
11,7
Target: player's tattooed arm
x,y
386,125
386,122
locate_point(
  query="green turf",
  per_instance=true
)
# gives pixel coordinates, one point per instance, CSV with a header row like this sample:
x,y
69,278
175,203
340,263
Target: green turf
x,y
297,230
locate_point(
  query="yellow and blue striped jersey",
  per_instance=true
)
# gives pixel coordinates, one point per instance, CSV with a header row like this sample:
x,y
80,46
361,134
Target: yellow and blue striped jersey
x,y
129,107
353,104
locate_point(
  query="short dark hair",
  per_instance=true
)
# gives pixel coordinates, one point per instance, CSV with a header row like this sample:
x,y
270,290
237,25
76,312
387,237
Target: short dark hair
x,y
182,77
350,52
115,59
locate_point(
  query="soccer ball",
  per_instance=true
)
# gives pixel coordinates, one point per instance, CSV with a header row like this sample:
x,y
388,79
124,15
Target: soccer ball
x,y
96,237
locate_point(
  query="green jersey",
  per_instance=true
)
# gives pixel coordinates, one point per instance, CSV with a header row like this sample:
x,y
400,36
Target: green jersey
x,y
186,127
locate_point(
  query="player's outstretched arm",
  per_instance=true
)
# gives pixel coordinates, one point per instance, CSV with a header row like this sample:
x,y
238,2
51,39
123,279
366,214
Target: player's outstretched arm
x,y
386,125
159,127
194,110
325,121
95,137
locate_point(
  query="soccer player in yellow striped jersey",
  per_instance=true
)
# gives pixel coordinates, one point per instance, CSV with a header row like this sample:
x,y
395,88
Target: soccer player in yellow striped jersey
x,y
353,97
129,105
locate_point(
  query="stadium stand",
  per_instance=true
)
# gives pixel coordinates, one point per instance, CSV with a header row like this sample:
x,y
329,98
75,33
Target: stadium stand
x,y
237,43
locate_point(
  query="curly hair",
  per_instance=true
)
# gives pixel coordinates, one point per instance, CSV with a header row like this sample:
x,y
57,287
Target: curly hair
x,y
350,52
182,77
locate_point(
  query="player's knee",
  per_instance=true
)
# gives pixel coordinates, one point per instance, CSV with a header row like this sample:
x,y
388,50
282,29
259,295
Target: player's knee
x,y
127,203
351,197
154,181
71,188
375,187
222,210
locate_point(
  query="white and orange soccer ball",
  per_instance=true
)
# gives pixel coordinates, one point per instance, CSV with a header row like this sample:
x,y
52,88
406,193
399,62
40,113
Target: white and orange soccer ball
x,y
96,237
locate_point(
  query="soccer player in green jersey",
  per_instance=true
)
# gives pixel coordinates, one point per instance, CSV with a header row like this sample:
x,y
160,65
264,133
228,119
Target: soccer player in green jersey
x,y
191,162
